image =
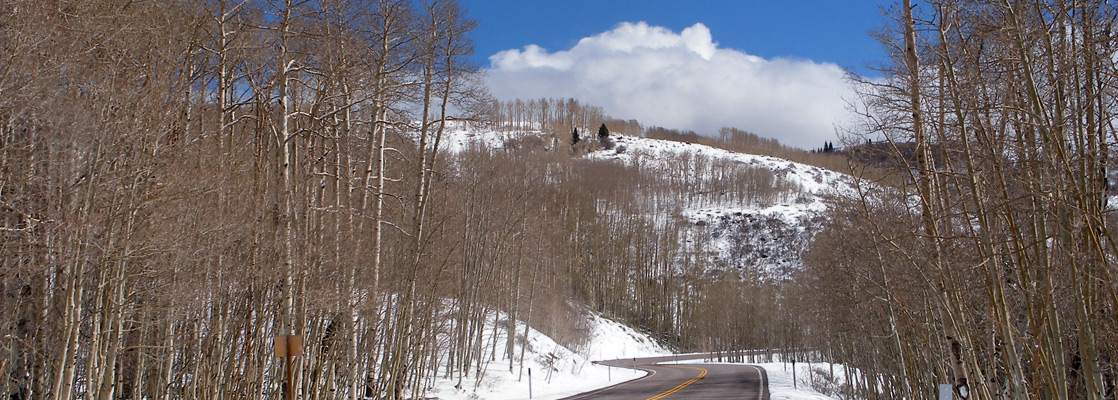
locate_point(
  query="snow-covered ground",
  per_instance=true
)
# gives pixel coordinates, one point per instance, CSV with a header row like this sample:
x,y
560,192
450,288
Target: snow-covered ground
x,y
573,372
763,234
780,381
812,179
766,237
655,153
459,137
556,370
810,378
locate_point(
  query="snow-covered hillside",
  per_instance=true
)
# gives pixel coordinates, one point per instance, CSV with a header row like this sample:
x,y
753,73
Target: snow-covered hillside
x,y
814,180
763,237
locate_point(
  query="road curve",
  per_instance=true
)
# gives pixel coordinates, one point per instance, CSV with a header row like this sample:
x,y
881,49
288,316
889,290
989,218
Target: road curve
x,y
684,381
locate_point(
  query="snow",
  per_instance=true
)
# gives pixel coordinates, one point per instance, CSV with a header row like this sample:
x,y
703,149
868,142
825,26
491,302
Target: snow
x,y
458,137
654,153
571,372
808,378
815,180
780,381
762,233
767,236
761,236
766,244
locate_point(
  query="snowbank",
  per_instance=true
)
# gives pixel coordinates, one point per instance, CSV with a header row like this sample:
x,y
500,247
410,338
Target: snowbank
x,y
557,371
810,378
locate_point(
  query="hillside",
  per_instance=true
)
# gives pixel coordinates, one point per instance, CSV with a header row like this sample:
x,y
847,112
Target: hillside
x,y
759,230
764,237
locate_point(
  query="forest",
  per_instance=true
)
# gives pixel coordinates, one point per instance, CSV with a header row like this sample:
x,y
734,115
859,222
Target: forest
x,y
183,181
983,257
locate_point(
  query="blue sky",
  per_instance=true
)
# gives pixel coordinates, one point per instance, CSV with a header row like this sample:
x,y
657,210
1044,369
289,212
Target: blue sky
x,y
820,30
771,67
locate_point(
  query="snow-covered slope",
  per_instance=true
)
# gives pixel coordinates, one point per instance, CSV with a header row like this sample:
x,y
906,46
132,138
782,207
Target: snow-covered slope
x,y
765,238
459,137
762,235
556,371
628,149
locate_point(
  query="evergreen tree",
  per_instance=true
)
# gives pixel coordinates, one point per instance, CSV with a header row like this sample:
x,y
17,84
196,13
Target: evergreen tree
x,y
574,137
603,138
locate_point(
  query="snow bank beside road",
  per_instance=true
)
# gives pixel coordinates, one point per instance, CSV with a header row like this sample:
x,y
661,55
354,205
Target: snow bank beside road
x,y
571,372
808,378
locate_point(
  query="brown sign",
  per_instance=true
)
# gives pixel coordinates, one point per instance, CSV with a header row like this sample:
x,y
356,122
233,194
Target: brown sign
x,y
281,345
294,345
286,345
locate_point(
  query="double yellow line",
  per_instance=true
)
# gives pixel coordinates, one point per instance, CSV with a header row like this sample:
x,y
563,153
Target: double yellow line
x,y
702,373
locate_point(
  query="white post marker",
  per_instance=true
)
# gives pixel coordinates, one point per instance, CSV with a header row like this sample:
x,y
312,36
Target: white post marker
x,y
529,383
945,391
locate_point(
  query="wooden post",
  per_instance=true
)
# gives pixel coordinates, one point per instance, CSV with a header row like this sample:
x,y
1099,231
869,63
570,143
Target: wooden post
x,y
288,380
287,347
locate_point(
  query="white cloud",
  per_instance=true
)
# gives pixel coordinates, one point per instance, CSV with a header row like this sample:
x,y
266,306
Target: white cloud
x,y
682,81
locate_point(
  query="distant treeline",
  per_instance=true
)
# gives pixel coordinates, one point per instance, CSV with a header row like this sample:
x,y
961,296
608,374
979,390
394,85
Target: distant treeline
x,y
559,117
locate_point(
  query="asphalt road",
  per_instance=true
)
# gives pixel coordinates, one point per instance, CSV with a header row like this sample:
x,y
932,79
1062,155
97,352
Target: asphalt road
x,y
687,381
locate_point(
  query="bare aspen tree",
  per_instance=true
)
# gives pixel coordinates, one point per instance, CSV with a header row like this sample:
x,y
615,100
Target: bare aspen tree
x,y
926,176
1008,137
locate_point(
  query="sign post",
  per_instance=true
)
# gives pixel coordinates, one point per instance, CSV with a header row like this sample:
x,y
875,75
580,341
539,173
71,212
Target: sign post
x,y
286,347
529,383
794,384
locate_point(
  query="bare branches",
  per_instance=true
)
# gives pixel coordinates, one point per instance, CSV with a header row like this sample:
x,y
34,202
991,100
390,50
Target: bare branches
x,y
1003,154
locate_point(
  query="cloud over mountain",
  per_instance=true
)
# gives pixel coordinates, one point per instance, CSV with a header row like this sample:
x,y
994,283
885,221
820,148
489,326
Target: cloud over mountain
x,y
681,80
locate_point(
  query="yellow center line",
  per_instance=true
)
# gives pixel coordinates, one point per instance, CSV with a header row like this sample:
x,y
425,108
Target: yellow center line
x,y
702,373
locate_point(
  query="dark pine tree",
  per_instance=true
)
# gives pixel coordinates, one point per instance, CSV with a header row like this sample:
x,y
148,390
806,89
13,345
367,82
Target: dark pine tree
x,y
574,137
603,138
